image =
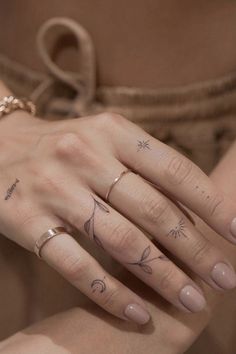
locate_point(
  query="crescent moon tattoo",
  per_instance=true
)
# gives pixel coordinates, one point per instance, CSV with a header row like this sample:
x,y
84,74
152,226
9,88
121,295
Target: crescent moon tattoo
x,y
99,285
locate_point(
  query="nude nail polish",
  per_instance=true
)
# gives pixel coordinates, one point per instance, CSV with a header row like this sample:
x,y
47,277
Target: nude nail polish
x,y
224,276
192,299
137,314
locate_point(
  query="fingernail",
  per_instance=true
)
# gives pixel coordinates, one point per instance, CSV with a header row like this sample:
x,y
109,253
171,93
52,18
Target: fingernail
x,y
192,299
224,276
137,314
233,227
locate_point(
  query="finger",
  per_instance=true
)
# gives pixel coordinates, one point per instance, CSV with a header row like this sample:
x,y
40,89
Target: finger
x,y
167,168
155,213
126,243
69,259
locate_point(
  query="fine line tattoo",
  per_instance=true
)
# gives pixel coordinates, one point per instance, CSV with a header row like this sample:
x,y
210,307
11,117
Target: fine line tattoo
x,y
142,263
211,201
98,284
143,145
89,224
178,230
11,189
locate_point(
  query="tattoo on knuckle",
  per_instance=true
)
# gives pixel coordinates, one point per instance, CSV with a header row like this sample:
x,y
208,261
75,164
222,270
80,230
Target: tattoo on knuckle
x,y
179,170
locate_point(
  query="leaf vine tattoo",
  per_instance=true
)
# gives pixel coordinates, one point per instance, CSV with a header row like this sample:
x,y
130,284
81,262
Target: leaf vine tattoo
x,y
142,263
98,284
11,189
89,224
143,145
178,230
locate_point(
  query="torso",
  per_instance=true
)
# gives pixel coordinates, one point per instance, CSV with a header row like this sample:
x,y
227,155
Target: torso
x,y
138,43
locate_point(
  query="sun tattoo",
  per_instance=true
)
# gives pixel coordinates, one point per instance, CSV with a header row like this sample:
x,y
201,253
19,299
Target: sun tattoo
x,y
142,263
143,145
178,230
89,224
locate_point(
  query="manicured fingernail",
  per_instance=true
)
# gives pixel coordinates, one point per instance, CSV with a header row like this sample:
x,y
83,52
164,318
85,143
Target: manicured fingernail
x,y
233,227
137,314
192,299
224,276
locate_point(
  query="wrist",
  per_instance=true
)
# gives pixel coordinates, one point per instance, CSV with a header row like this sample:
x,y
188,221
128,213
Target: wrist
x,y
17,118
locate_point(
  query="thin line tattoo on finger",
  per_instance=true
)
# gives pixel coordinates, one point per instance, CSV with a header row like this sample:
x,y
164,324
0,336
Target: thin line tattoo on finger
x,y
178,230
142,263
98,284
11,189
143,145
89,224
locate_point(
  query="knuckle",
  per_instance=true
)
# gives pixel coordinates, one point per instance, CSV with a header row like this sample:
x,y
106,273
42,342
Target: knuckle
x,y
74,268
179,170
154,210
106,118
111,298
167,279
69,144
74,147
200,251
214,203
122,238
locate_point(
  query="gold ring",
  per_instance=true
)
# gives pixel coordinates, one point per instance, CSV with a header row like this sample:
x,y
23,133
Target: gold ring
x,y
114,182
46,237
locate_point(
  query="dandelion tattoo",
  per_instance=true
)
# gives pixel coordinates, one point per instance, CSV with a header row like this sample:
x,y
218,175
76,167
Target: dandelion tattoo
x,y
142,263
11,189
143,145
99,285
89,224
178,230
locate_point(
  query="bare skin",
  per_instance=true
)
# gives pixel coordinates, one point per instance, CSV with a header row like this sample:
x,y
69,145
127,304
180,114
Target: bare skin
x,y
57,334
57,173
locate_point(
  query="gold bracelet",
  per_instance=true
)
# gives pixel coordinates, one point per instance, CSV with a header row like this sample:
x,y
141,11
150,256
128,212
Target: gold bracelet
x,y
10,104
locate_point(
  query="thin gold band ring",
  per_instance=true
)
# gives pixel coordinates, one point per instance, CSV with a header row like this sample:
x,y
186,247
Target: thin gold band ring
x,y
46,237
114,182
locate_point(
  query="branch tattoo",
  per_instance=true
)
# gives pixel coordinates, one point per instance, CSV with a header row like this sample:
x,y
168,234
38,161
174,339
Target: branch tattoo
x,y
142,262
98,284
143,145
11,189
89,224
178,230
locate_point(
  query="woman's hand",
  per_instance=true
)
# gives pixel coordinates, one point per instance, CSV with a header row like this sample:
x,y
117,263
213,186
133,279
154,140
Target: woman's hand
x,y
58,174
